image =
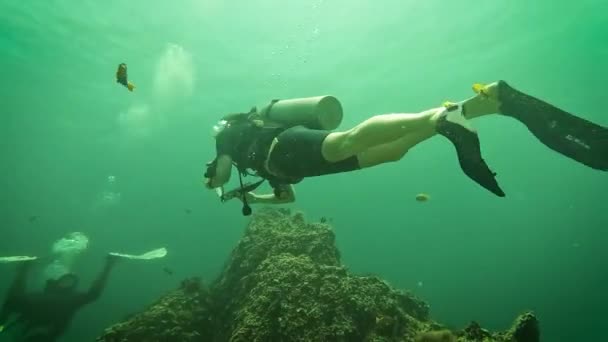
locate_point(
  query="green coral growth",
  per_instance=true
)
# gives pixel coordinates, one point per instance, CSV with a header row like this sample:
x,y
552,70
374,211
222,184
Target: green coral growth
x,y
284,282
182,315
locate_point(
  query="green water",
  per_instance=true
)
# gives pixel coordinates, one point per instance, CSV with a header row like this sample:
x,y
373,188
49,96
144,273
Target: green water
x,y
66,126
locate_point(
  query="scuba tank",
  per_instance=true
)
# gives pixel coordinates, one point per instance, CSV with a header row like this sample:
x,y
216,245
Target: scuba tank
x,y
319,112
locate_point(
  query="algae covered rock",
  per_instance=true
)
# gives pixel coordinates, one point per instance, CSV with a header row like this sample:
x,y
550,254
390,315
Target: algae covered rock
x,y
295,299
284,282
181,315
524,329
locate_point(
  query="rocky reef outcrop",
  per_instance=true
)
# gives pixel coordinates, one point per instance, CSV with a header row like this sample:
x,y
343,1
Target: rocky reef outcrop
x,y
284,282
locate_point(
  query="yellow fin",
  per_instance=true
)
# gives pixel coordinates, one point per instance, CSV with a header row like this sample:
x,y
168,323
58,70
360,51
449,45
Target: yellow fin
x,y
479,88
449,105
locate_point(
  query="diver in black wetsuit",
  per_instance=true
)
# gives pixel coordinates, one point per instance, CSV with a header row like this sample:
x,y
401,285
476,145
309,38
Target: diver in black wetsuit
x,y
286,155
45,316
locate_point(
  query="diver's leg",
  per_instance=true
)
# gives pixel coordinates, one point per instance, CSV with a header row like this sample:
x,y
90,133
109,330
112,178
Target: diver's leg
x,y
392,151
371,140
479,105
375,131
451,124
485,102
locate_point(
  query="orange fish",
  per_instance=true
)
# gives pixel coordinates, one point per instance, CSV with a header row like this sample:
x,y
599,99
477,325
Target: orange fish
x,y
121,76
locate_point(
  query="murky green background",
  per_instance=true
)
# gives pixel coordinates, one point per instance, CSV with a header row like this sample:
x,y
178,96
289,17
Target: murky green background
x,y
66,126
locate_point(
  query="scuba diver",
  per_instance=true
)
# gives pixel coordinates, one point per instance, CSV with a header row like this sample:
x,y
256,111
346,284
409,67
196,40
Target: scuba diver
x,y
289,140
45,316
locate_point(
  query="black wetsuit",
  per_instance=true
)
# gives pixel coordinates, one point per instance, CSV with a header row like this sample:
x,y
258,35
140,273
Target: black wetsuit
x,y
45,316
296,155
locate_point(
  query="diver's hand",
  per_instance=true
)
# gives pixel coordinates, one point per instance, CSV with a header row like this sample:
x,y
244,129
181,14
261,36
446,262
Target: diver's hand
x,y
240,195
230,195
111,260
207,182
249,196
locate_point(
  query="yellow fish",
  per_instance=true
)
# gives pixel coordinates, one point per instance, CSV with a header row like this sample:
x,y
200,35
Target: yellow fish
x,y
121,76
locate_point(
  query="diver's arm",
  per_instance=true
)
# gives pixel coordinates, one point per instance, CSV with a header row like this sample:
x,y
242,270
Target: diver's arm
x,y
4,314
19,283
16,291
223,169
286,194
100,283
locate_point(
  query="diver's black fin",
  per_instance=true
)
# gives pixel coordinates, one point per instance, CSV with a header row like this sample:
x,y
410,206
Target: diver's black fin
x,y
468,149
572,136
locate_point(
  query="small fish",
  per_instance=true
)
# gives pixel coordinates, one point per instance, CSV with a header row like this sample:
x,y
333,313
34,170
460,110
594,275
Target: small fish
x,y
168,271
121,77
33,218
422,197
188,211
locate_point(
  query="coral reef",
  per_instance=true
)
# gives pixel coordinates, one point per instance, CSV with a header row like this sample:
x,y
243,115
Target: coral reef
x,y
181,315
284,282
